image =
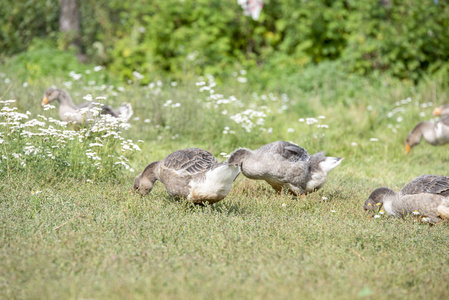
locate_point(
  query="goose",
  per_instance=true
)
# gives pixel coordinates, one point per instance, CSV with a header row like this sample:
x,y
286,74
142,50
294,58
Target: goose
x,y
193,174
443,110
426,195
285,165
68,111
434,133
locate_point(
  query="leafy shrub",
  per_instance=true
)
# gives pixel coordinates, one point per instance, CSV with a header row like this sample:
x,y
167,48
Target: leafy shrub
x,y
22,21
182,39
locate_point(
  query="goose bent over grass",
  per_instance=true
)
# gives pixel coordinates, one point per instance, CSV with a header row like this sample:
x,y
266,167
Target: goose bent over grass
x,y
285,165
426,196
434,133
192,173
68,111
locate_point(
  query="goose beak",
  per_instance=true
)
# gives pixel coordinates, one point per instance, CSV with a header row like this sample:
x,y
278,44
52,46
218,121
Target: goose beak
x,y
437,111
44,101
407,148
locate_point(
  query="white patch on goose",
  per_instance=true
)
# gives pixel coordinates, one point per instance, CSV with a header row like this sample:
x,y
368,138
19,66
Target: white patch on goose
x,y
443,211
440,134
216,185
316,182
388,206
329,163
319,178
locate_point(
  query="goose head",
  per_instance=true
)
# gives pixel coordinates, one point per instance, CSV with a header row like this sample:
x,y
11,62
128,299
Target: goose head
x,y
50,95
238,156
437,112
144,182
414,137
377,198
143,185
442,110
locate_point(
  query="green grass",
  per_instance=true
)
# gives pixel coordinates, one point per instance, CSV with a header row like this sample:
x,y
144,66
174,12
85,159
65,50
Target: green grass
x,y
97,240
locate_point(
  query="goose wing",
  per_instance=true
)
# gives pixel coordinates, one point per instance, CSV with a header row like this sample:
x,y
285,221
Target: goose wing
x,y
287,150
192,161
429,184
83,105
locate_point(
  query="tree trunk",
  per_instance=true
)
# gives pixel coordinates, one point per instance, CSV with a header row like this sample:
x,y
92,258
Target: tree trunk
x,y
69,23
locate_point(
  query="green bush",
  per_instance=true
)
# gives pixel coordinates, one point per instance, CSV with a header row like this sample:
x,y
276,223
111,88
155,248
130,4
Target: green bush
x,y
182,39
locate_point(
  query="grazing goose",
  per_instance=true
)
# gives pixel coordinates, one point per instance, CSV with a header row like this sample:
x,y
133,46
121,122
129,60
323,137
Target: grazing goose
x,y
434,133
71,112
426,195
191,173
443,110
285,165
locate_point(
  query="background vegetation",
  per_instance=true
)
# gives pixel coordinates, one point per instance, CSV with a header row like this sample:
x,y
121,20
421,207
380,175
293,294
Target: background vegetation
x,y
70,227
177,38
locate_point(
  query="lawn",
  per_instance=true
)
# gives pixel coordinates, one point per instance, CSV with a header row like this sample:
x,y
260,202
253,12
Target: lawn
x,y
73,229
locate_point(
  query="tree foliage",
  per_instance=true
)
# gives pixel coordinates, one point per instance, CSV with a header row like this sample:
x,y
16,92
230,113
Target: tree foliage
x,y
405,38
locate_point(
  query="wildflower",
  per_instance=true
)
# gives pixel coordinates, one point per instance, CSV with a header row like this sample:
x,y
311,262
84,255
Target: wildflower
x,y
290,130
374,139
67,84
415,213
242,79
311,121
284,205
98,68
88,97
75,76
192,56
333,211
381,212
376,216
137,75
321,117
48,106
354,144
324,198
95,145
245,119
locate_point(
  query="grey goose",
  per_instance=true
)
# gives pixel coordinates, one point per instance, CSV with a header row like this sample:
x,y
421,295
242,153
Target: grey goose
x,y
285,165
426,196
193,174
